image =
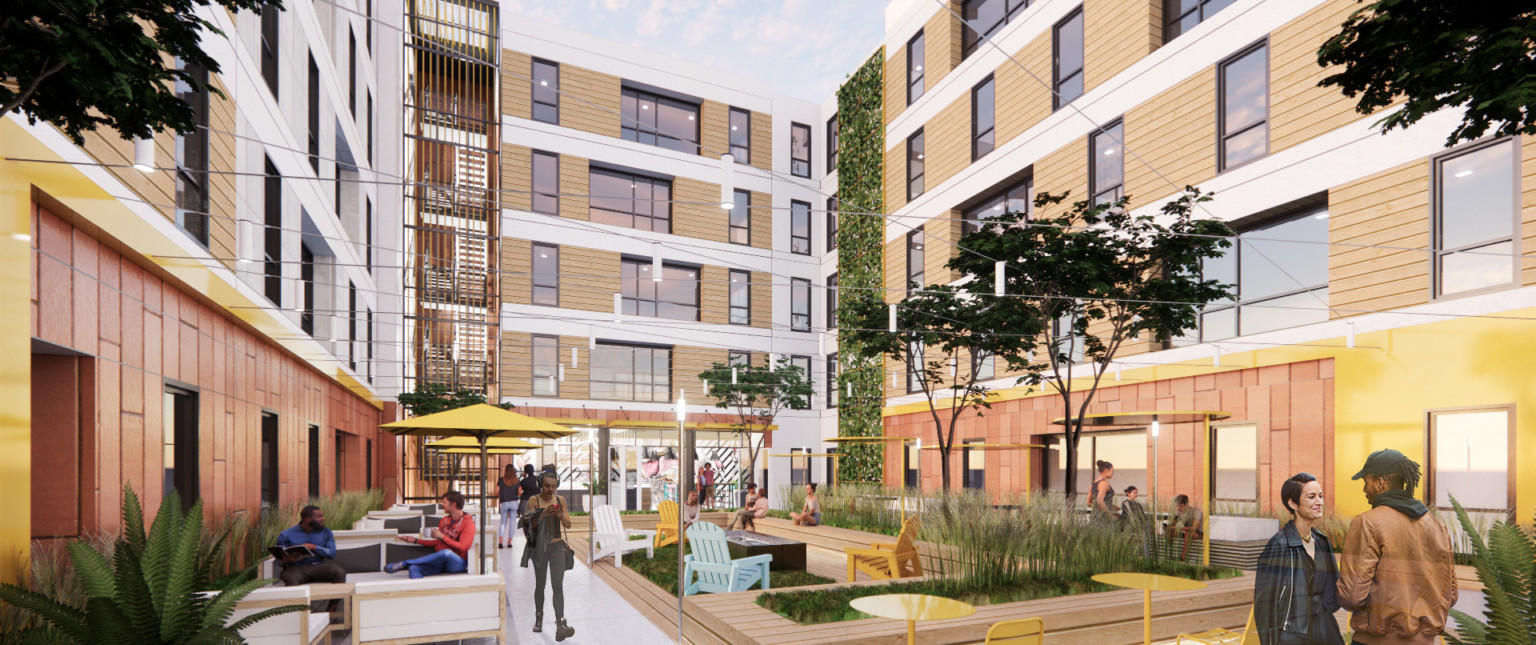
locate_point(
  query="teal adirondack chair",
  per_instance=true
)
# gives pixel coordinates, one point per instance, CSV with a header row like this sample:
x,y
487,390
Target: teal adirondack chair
x,y
717,572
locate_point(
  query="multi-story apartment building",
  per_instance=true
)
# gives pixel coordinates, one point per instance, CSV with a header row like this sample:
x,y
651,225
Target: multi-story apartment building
x,y
223,322
1385,292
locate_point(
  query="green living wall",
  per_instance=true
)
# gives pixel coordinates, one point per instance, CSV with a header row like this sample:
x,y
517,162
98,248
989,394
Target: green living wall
x,y
861,245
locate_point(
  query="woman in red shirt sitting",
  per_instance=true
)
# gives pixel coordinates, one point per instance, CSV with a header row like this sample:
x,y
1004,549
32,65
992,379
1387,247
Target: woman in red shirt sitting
x,y
454,534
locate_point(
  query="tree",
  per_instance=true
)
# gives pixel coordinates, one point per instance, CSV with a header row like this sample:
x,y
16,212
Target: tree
x,y
82,64
1092,279
936,328
431,398
758,394
1479,55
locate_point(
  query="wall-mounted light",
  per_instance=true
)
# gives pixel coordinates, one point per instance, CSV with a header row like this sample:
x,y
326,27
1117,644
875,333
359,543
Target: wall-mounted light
x,y
1000,278
618,307
656,261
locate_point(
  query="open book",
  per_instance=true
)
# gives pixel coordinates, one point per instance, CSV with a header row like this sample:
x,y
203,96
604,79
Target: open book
x,y
295,551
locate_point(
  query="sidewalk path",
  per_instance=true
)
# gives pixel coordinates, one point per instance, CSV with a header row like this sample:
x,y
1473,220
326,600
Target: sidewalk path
x,y
597,612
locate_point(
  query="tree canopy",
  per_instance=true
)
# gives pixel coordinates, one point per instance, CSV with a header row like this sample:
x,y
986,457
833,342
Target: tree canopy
x,y
83,64
757,393
1433,54
431,398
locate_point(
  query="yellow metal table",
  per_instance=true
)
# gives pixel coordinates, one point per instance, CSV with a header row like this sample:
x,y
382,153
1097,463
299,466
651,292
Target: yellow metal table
x,y
1148,583
912,608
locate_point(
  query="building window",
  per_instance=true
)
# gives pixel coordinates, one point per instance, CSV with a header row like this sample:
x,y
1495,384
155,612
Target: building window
x,y
352,326
192,159
179,450
803,363
674,297
914,165
1067,60
546,275
368,31
983,19
1235,463
983,119
832,301
630,201
915,366
1476,216
660,121
741,218
546,91
915,68
832,389
741,297
269,46
739,358
984,367
832,144
368,233
975,459
546,183
1281,266
1106,164
741,135
1242,122
1065,338
272,233
1183,15
916,278
799,468
1470,459
269,459
370,142
799,304
831,224
546,366
631,373
369,343
352,72
314,461
1017,198
1126,450
314,114
799,227
912,457
799,150
307,286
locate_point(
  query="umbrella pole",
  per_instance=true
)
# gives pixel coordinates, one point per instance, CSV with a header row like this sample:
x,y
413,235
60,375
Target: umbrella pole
x,y
481,541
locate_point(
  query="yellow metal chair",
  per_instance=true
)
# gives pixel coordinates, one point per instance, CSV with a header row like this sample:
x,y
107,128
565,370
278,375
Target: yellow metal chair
x,y
1024,631
1218,636
888,561
666,527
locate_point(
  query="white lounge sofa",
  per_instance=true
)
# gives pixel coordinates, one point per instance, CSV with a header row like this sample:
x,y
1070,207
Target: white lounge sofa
x,y
432,609
298,628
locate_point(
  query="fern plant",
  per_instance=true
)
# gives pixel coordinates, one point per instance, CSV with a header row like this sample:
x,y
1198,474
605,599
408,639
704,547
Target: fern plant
x,y
1506,565
148,592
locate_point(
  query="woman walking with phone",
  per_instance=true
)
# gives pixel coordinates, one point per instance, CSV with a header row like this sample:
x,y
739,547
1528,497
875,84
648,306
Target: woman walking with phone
x,y
551,556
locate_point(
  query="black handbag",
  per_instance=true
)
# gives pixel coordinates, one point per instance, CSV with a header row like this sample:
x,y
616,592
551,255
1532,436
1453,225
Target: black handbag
x,y
570,556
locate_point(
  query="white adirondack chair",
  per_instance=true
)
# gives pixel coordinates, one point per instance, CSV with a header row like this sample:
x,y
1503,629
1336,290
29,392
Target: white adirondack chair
x,y
717,572
610,537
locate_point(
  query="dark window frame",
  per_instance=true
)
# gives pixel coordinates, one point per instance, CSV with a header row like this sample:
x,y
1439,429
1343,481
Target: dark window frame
x,y
831,224
1238,302
917,354
184,476
738,206
805,364
1172,21
352,71
548,373
533,176
271,52
272,233
799,293
1057,80
633,128
307,285
920,278
192,180
795,163
971,219
1095,190
971,39
1222,136
739,314
832,134
916,86
1437,219
633,180
632,295
800,239
538,290
968,481
988,83
270,453
745,158
831,301
921,163
314,114
659,392
533,94
831,381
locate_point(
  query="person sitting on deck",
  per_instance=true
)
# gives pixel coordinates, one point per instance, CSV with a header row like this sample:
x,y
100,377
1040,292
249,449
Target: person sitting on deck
x,y
810,513
691,510
454,534
757,506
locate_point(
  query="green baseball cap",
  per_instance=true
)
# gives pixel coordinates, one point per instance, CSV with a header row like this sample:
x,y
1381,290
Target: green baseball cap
x,y
1383,462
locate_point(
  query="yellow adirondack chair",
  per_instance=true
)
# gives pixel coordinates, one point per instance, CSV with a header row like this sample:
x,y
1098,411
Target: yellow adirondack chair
x,y
887,561
1218,636
666,527
1024,631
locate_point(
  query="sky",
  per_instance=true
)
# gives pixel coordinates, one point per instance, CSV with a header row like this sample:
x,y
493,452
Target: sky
x,y
803,48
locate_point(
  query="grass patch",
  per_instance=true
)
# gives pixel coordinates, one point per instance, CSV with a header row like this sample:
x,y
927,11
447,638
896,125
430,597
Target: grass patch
x,y
662,571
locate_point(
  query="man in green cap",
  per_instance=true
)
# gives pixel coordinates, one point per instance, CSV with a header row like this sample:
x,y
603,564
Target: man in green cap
x,y
1396,568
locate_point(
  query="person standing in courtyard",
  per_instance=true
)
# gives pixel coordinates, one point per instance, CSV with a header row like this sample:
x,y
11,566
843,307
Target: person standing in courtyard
x,y
1102,502
507,491
707,486
1134,517
529,486
1396,569
551,556
1296,592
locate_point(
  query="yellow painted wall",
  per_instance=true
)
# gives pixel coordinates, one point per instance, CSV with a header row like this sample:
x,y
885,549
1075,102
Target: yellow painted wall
x,y
15,340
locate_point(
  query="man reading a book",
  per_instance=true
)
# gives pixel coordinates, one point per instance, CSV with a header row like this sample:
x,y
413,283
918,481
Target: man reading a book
x,y
308,549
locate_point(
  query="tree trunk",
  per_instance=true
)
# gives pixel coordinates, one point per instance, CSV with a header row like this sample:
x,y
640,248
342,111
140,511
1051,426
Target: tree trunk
x,y
1073,435
944,450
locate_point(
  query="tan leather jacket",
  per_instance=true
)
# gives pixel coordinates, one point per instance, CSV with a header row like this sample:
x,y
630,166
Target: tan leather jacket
x,y
1397,574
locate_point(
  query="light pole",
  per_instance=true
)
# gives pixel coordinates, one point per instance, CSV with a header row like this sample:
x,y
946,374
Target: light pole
x,y
682,464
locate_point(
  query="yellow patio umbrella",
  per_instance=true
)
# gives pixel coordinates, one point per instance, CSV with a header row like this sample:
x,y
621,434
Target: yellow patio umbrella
x,y
493,443
482,423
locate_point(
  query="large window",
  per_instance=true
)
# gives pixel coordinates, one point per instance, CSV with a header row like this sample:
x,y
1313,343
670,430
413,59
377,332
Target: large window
x,y
1235,463
740,218
832,301
741,135
352,72
915,68
546,366
831,223
631,373
631,201
1182,15
675,296
799,150
1016,198
799,227
803,363
192,159
1281,272
741,297
314,461
799,467
832,389
1106,164
272,233
737,357
916,267
179,422
912,457
269,45
546,275
1242,121
975,459
269,461
832,144
314,114
1067,60
1126,450
546,91
661,121
352,326
983,19
799,304
1471,458
546,183
306,295
983,119
1476,217
914,165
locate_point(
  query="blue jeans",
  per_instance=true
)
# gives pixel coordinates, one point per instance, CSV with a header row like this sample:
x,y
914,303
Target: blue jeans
x,y
444,561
